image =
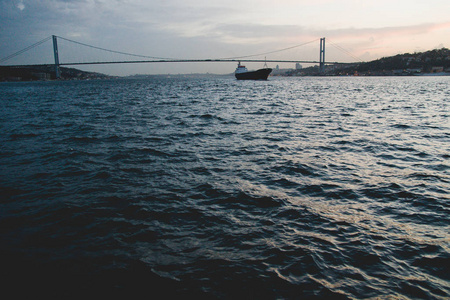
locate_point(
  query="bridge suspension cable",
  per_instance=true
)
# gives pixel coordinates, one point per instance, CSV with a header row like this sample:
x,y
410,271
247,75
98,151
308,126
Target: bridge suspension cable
x,y
155,59
25,49
270,52
177,59
117,52
345,51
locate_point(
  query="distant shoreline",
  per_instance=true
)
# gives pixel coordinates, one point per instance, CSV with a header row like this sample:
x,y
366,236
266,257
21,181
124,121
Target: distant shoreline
x,y
431,63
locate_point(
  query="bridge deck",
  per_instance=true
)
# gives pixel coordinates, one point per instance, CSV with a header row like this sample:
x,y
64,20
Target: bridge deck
x,y
183,61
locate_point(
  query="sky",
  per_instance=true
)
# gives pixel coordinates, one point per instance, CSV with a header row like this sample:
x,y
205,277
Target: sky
x,y
208,29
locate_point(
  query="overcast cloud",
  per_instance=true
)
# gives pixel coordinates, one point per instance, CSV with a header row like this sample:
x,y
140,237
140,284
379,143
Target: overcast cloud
x,y
214,29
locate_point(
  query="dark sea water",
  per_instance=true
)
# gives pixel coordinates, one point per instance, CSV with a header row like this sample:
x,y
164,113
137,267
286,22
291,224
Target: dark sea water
x,y
291,188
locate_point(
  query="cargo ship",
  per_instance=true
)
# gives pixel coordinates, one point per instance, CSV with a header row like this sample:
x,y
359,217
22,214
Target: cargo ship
x,y
242,73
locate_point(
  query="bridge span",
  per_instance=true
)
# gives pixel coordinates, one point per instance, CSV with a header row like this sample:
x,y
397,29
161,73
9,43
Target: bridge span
x,y
187,61
57,63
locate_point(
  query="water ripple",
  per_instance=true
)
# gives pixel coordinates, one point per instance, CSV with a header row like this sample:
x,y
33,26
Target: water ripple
x,y
315,188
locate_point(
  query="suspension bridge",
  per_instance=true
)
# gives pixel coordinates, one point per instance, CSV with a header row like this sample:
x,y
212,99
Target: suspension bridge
x,y
141,59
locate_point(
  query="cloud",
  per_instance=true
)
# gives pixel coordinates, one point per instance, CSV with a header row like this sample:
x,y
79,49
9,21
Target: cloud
x,y
385,32
373,43
20,5
216,28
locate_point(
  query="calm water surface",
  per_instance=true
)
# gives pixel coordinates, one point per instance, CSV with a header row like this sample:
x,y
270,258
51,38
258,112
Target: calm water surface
x,y
291,188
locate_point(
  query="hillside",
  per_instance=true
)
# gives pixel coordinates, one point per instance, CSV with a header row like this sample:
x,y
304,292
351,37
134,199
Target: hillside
x,y
433,61
45,73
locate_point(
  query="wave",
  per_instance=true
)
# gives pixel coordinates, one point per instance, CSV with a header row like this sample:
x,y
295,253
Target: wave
x,y
292,188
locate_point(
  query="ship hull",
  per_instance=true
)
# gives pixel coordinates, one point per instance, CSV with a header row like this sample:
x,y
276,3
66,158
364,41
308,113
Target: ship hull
x,y
260,74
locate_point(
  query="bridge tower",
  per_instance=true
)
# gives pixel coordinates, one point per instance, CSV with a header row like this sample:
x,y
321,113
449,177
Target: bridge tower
x,y
55,53
322,56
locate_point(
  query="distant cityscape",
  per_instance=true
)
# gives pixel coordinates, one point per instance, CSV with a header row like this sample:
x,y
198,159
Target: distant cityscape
x,y
433,62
